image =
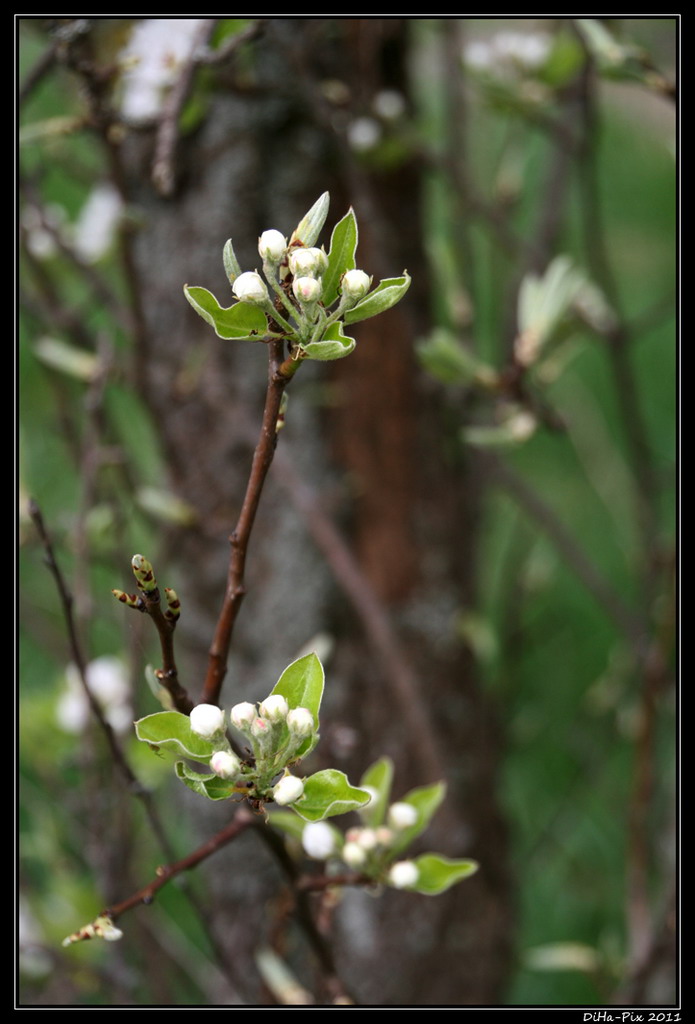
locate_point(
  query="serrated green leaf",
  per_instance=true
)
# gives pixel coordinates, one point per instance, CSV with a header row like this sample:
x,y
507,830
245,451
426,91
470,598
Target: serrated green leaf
x,y
171,730
333,345
301,684
425,800
309,227
388,292
341,256
231,263
379,777
437,874
328,793
211,786
241,321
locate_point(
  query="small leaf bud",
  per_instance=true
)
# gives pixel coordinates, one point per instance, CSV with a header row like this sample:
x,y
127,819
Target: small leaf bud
x,y
401,815
173,605
242,715
355,284
403,874
144,573
249,287
132,600
227,766
272,246
306,289
274,708
207,720
287,790
353,855
300,722
318,840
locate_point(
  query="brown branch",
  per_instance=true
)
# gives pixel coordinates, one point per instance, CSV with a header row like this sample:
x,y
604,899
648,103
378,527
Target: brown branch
x,y
66,600
168,675
375,621
279,374
242,820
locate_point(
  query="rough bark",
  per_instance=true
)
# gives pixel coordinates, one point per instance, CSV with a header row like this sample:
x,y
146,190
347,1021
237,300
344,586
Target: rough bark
x,y
368,434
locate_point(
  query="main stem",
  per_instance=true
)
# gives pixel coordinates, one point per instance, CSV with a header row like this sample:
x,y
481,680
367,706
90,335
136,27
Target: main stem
x,y
280,372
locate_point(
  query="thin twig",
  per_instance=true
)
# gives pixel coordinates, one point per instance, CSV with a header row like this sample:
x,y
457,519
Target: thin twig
x,y
168,675
66,600
168,128
242,820
629,623
279,374
375,621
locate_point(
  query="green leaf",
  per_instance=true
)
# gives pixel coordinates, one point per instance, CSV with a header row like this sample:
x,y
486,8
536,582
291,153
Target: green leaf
x,y
328,793
171,730
287,822
341,256
301,684
75,362
389,291
242,321
437,873
211,786
379,777
443,355
309,227
231,263
425,800
333,345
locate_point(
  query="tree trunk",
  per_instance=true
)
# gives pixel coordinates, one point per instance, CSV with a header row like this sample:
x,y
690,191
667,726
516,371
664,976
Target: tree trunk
x,y
368,436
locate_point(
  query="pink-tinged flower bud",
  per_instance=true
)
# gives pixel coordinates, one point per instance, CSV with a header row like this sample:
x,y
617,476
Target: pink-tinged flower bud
x,y
306,289
401,815
260,729
311,262
274,708
272,246
353,855
207,721
367,839
242,715
403,874
249,287
300,722
287,790
227,766
355,284
384,836
318,840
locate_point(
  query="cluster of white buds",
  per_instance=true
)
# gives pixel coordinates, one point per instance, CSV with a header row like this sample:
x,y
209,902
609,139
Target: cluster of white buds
x,y
362,844
276,732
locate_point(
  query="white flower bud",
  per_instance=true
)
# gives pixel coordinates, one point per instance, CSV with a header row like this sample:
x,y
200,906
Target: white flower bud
x,y
207,720
300,722
307,262
272,245
227,766
306,289
242,715
403,874
355,284
274,708
353,855
287,790
401,815
249,287
318,840
367,839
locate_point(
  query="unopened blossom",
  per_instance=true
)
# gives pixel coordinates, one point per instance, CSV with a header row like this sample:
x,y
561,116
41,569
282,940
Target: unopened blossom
x,y
287,790
403,874
318,840
250,287
207,720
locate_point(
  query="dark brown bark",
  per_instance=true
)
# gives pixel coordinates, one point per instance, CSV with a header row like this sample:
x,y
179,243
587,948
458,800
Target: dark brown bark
x,y
409,514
